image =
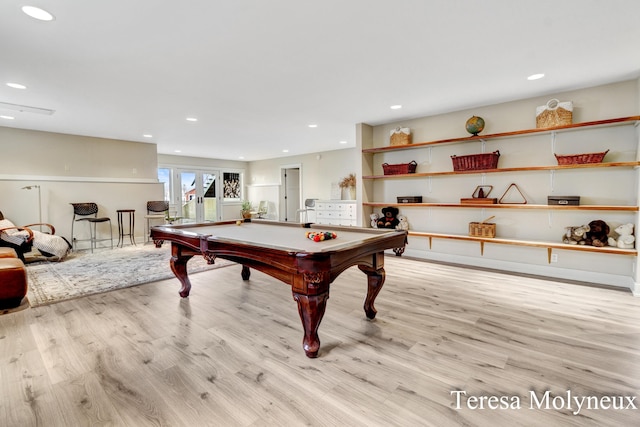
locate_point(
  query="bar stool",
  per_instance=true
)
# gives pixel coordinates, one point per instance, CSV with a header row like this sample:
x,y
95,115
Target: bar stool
x,y
121,231
89,212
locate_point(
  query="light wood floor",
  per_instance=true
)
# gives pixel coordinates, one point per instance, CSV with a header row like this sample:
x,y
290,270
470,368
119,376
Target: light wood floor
x,y
231,355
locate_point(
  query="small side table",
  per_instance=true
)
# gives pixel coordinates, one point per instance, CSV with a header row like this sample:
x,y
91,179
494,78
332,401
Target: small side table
x,y
121,231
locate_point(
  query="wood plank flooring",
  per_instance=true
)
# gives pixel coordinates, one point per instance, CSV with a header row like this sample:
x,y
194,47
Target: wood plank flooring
x,y
231,355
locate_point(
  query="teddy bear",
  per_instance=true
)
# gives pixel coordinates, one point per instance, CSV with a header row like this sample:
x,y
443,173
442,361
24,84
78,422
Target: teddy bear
x,y
575,235
625,237
598,233
390,217
404,223
374,220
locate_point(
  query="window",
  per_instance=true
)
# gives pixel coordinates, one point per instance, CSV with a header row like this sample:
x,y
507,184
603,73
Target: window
x,y
164,176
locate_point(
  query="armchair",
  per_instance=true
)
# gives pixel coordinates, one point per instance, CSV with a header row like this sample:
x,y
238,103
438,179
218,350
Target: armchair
x,y
263,209
23,239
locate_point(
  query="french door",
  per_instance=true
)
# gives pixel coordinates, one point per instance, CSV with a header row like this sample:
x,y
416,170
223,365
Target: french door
x,y
197,195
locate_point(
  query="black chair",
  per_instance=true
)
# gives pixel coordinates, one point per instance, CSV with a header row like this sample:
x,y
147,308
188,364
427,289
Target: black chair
x,y
158,209
89,212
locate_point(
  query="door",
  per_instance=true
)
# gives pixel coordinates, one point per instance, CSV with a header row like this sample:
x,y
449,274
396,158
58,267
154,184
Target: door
x,y
197,196
289,193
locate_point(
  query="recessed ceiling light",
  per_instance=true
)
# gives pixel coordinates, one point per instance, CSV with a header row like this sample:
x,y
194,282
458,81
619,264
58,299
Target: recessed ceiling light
x,y
241,157
535,76
192,119
396,107
148,135
177,151
37,13
343,142
7,117
16,85
313,126
285,151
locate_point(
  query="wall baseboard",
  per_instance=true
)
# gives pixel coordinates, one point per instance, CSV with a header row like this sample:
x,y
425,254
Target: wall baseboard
x,y
566,275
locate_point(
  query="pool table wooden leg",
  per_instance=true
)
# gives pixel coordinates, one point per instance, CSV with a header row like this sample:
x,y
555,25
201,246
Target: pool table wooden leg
x,y
179,268
375,280
245,273
311,309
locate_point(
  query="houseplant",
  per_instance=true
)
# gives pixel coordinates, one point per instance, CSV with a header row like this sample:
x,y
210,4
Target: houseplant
x,y
245,210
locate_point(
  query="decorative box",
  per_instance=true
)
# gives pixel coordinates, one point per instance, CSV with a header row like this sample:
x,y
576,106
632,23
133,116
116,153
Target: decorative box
x,y
563,200
474,162
479,201
409,199
479,196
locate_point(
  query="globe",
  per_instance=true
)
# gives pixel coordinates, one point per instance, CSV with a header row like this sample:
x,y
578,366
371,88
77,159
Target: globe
x,y
475,125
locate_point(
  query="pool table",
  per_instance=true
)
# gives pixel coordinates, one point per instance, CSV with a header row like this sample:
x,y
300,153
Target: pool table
x,y
282,250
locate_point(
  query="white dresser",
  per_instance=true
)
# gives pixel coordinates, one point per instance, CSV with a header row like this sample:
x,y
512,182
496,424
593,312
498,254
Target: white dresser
x,y
336,212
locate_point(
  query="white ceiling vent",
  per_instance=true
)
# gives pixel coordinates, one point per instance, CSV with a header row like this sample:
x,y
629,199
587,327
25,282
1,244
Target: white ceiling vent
x,y
25,108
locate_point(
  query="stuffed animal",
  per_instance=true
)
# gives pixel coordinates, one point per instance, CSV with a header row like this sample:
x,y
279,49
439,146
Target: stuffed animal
x,y
404,223
575,235
390,218
598,233
625,237
374,220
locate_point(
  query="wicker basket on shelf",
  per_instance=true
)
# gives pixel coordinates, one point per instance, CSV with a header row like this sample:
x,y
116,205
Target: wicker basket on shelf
x,y
401,168
482,228
578,159
474,162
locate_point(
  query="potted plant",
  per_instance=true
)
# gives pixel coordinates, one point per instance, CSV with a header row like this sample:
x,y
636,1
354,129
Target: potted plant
x,y
245,210
349,182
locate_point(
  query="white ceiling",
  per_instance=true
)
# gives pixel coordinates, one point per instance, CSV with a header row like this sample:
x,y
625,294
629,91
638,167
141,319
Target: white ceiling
x,y
256,73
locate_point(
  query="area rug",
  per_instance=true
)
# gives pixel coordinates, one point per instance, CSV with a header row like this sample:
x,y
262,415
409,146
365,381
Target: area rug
x,y
84,273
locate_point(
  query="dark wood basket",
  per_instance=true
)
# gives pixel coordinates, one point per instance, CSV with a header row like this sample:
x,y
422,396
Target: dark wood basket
x,y
578,159
474,162
400,168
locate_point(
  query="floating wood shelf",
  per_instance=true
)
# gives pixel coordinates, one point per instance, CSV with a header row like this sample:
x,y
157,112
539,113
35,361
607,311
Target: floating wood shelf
x,y
527,168
547,245
509,206
574,126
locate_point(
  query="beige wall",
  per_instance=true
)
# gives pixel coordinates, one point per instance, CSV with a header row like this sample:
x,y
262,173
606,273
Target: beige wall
x,y
69,168
47,154
597,103
319,173
195,162
121,174
604,186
